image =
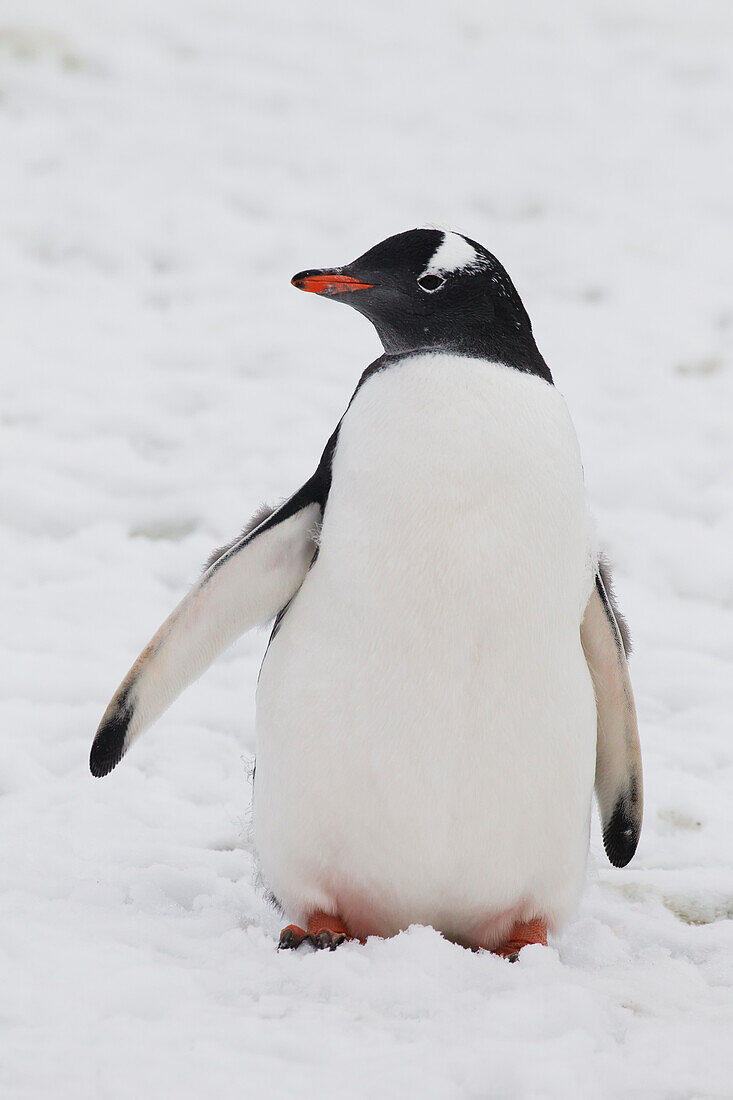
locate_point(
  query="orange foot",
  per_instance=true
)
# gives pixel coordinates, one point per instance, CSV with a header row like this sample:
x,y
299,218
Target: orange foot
x,y
533,931
323,931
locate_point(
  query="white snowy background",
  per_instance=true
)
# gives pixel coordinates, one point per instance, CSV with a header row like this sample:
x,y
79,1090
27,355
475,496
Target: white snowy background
x,y
164,169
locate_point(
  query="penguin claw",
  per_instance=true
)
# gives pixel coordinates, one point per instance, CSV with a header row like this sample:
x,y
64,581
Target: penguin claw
x,y
326,939
324,932
291,938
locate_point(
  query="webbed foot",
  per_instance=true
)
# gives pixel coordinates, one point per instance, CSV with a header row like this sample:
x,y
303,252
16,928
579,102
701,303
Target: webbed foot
x,y
324,932
522,935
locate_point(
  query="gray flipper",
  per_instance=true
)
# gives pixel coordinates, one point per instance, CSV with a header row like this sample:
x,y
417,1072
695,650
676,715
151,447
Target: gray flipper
x,y
619,788
246,584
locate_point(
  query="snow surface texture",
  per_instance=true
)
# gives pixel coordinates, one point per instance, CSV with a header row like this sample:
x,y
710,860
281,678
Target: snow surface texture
x,y
165,169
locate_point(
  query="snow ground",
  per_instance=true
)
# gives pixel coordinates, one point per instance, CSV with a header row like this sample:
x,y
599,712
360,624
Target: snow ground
x,y
164,169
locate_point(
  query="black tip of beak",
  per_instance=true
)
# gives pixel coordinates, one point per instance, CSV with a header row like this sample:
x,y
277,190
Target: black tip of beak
x,y
303,276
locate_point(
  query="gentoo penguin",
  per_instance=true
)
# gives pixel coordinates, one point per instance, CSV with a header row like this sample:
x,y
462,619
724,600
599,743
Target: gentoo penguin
x,y
446,677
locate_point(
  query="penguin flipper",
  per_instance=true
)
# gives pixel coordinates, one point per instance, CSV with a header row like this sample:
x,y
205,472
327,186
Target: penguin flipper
x,y
619,787
246,584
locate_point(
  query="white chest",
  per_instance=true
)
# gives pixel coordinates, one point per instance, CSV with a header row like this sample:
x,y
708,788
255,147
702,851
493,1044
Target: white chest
x,y
451,476
427,692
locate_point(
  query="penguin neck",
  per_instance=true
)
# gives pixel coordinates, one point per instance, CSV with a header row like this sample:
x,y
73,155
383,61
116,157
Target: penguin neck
x,y
518,351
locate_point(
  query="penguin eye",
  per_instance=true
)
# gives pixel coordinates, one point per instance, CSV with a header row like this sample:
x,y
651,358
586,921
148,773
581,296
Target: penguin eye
x,y
430,282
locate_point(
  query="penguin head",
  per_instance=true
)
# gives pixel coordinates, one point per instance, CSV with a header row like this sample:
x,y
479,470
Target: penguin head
x,y
430,290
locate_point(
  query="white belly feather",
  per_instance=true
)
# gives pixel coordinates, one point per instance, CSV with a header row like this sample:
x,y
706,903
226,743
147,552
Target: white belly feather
x,y
426,719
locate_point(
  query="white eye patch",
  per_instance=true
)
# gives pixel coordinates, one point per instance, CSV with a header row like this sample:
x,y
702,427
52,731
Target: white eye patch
x,y
454,253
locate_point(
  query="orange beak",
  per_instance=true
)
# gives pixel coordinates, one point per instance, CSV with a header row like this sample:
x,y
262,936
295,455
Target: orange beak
x,y
327,282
